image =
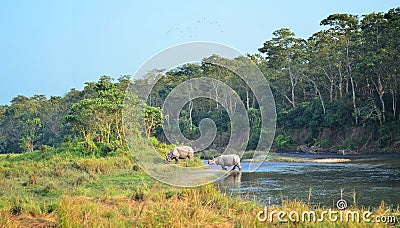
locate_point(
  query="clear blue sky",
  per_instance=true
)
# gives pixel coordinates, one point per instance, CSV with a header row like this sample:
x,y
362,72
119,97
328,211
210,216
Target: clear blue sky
x,y
49,47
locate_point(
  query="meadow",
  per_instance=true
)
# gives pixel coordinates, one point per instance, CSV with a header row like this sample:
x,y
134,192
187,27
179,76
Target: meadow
x,y
51,189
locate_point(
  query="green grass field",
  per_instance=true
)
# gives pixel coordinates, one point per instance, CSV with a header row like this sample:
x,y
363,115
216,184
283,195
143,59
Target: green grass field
x,y
45,189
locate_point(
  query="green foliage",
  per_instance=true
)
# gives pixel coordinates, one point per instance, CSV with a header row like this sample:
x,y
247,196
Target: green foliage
x,y
154,141
152,118
78,168
326,143
346,74
209,154
386,134
309,115
255,128
161,148
283,141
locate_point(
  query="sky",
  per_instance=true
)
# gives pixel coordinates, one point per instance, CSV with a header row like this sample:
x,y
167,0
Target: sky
x,y
50,47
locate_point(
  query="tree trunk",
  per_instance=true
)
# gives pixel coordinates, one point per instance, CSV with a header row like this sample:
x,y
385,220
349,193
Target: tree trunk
x,y
119,130
216,96
253,104
319,93
394,101
340,82
354,100
190,114
293,83
377,111
380,91
394,105
353,91
247,99
320,98
332,83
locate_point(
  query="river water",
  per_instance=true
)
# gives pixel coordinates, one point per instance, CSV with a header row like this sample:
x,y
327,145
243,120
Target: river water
x,y
366,181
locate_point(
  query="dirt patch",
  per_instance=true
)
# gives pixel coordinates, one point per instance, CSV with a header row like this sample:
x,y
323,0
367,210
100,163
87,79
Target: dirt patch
x,y
326,133
299,135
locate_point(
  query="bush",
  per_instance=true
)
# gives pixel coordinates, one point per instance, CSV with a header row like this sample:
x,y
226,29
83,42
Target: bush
x,y
324,143
385,134
209,154
154,141
283,141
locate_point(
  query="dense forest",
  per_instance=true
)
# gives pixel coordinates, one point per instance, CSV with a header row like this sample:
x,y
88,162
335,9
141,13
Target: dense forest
x,y
337,90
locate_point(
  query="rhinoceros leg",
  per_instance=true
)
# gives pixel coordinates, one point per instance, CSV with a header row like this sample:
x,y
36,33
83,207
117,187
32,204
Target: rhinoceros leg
x,y
239,167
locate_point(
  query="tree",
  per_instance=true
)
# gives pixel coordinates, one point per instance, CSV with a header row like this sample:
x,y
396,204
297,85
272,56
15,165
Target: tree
x,y
30,134
392,32
153,119
17,122
98,119
345,27
373,62
285,54
52,120
325,62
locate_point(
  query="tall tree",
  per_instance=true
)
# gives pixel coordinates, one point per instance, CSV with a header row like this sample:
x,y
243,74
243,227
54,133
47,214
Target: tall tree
x,y
285,54
345,26
373,61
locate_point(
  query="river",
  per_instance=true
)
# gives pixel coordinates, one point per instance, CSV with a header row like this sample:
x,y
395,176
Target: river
x,y
372,178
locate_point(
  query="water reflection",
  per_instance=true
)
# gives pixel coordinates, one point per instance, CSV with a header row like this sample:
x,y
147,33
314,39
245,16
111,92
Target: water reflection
x,y
233,180
370,180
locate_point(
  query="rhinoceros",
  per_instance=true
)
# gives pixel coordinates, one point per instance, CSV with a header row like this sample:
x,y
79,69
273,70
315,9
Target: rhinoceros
x,y
181,152
227,160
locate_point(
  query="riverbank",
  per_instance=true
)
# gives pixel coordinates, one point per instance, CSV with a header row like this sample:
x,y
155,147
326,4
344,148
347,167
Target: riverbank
x,y
49,190
41,189
306,157
298,157
391,159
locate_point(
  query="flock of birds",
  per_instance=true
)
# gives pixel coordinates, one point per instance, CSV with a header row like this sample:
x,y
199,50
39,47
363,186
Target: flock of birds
x,y
192,31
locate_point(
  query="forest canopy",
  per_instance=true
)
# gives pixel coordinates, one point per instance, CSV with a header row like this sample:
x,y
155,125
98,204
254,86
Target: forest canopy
x,y
337,89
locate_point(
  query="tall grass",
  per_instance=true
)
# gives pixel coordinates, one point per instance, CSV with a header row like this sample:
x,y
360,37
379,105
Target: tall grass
x,y
202,206
66,191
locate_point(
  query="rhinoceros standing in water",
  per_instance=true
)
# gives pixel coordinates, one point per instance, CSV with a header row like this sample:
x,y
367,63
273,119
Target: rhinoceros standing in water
x,y
227,160
181,152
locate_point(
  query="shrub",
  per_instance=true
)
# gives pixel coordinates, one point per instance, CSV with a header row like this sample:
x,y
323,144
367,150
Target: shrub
x,y
209,154
385,134
154,141
283,141
324,143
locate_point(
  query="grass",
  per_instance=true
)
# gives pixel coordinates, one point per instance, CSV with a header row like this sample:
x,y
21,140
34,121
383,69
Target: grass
x,y
279,158
60,190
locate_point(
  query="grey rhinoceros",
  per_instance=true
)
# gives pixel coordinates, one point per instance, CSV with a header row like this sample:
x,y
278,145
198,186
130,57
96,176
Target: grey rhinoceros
x,y
227,160
180,152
